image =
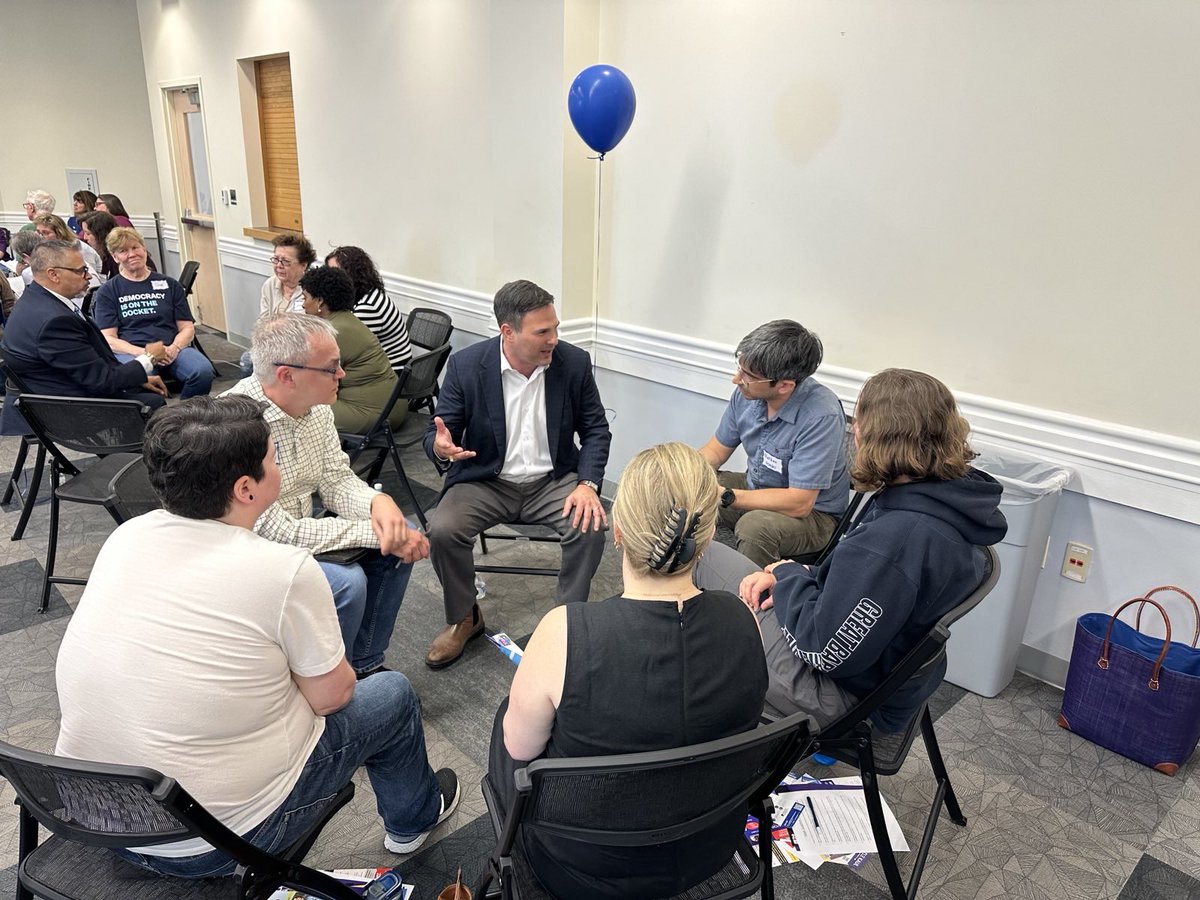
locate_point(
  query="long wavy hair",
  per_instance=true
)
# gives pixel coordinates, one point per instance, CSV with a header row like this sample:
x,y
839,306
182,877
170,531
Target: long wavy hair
x,y
908,426
359,266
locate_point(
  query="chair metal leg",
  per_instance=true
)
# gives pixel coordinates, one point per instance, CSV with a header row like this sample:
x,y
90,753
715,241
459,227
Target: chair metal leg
x,y
30,497
883,845
27,842
939,768
52,545
407,484
18,467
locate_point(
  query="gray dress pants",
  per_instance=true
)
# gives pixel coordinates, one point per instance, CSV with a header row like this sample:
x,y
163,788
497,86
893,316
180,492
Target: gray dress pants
x,y
469,508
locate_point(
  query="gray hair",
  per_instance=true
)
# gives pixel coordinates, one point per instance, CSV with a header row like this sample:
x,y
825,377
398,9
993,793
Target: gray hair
x,y
517,298
23,242
49,255
42,201
781,350
284,337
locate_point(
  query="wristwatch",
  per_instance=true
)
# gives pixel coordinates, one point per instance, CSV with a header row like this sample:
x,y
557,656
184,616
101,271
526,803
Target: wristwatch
x,y
595,487
727,498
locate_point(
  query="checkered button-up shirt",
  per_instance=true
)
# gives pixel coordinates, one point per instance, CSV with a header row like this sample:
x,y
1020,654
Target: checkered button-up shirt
x,y
311,459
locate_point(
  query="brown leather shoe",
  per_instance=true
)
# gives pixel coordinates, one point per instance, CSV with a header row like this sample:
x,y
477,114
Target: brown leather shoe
x,y
447,648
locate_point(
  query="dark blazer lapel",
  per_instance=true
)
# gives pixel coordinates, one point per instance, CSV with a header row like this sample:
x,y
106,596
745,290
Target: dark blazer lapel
x,y
493,395
556,396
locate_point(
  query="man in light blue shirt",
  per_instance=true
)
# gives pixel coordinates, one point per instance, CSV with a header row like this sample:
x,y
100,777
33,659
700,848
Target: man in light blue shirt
x,y
793,430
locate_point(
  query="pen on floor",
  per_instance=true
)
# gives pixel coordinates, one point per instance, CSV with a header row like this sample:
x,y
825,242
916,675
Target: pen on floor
x,y
783,861
812,808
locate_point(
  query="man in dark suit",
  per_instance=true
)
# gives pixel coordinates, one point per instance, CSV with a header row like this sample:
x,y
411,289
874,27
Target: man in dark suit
x,y
504,436
54,349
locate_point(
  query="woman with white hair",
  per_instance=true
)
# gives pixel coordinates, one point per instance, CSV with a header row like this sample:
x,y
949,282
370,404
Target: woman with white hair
x,y
37,203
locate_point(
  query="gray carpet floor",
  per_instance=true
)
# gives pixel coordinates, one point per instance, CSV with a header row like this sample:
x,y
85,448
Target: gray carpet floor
x,y
1049,814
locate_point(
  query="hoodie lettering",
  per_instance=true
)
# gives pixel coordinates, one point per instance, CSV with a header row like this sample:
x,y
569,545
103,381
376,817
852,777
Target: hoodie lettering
x,y
855,629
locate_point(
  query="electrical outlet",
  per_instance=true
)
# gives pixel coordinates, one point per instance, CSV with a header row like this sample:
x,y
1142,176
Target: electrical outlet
x,y
1077,563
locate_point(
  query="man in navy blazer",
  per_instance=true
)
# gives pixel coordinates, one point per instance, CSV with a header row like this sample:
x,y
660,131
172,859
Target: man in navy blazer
x,y
54,349
504,436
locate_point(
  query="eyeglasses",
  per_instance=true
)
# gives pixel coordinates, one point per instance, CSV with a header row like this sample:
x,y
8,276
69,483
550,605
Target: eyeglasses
x,y
331,372
743,378
28,205
282,261
82,271
276,443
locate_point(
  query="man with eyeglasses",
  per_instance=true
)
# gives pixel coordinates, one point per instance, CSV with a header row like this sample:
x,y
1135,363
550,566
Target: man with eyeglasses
x,y
369,546
796,484
37,203
54,349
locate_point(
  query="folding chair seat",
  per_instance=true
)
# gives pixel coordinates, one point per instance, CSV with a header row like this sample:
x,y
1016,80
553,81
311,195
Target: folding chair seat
x,y
111,429
412,382
89,807
642,799
853,740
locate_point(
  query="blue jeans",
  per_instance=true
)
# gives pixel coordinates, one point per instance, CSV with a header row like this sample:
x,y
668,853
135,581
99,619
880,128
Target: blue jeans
x,y
367,595
191,369
379,728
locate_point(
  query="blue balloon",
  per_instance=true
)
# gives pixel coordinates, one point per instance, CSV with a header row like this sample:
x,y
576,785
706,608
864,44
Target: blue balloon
x,y
601,103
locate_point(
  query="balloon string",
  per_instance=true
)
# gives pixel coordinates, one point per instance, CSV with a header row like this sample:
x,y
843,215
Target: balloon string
x,y
596,267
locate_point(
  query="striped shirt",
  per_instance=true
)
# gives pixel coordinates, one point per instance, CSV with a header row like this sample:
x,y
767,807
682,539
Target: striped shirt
x,y
377,311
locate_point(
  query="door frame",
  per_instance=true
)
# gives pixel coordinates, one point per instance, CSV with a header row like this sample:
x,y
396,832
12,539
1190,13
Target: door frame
x,y
181,231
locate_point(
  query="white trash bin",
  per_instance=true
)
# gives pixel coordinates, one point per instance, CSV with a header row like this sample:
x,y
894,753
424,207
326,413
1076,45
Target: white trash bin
x,y
983,647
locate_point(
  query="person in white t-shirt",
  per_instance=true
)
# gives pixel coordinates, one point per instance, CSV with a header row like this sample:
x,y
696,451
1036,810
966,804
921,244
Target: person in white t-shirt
x,y
226,669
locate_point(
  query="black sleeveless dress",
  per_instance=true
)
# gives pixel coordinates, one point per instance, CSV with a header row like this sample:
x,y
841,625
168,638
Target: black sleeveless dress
x,y
644,675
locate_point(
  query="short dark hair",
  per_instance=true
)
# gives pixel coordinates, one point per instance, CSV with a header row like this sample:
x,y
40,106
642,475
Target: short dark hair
x,y
331,285
100,224
87,198
197,450
304,248
781,350
355,262
516,299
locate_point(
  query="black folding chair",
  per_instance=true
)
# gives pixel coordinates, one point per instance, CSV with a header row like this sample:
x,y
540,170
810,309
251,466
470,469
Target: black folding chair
x,y
111,429
428,328
14,387
641,799
412,381
853,740
89,807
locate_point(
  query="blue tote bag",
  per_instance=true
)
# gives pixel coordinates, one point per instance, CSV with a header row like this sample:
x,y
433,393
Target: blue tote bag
x,y
1136,695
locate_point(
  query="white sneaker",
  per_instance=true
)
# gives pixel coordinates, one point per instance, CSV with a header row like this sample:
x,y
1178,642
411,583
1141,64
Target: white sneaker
x,y
448,782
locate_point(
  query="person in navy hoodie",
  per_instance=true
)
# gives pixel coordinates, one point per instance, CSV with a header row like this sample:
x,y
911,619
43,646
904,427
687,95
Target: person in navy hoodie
x,y
832,633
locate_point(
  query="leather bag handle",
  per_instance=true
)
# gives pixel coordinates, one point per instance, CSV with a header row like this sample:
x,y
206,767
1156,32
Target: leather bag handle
x,y
1102,662
1137,622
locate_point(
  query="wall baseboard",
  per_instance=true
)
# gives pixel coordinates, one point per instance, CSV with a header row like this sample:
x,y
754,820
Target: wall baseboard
x,y
1042,666
1141,469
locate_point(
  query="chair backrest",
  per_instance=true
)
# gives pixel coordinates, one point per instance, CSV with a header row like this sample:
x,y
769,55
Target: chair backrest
x,y
403,376
132,493
109,805
921,659
429,328
187,277
84,424
425,369
637,799
852,507
12,379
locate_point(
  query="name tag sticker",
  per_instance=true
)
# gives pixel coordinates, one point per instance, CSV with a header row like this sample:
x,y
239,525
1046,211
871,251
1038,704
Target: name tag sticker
x,y
772,463
158,285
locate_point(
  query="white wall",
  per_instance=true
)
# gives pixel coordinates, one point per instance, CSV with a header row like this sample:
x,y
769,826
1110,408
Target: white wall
x,y
1002,194
74,98
428,132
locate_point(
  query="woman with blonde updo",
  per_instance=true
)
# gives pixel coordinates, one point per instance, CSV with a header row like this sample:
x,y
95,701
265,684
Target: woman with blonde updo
x,y
663,665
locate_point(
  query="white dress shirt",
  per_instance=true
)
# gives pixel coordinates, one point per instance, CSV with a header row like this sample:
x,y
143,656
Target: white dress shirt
x,y
527,453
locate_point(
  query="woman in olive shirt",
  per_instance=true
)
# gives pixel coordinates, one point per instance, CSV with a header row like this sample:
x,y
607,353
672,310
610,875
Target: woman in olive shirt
x,y
369,379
